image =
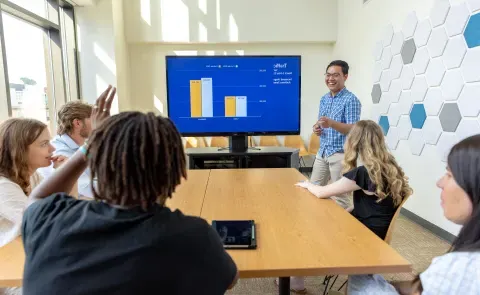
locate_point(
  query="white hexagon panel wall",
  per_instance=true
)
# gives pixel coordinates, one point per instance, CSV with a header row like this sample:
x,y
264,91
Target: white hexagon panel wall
x,y
427,78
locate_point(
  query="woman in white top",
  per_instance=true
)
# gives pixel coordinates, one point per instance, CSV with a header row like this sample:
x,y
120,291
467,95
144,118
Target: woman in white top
x,y
458,271
24,147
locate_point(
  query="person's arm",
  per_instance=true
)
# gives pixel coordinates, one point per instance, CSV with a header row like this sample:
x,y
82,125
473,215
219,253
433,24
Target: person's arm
x,y
341,127
13,203
339,187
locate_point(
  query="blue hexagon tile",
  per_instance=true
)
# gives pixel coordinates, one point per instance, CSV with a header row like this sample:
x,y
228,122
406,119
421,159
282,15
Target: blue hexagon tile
x,y
418,115
383,122
472,31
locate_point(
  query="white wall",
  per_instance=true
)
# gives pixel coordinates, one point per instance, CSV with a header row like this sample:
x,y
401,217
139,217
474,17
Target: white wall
x,y
360,27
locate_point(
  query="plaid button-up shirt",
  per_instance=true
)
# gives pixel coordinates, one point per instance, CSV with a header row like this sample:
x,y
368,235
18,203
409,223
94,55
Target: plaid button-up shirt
x,y
344,108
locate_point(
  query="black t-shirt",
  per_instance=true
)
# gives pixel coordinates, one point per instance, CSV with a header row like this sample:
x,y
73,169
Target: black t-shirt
x,y
87,247
373,214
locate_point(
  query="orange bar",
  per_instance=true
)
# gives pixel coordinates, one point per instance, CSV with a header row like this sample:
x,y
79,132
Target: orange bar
x,y
195,98
230,106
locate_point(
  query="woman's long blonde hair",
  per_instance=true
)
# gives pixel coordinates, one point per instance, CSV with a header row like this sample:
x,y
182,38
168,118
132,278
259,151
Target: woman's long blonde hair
x,y
366,140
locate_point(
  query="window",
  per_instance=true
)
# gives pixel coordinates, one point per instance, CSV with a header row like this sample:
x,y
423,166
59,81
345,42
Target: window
x,y
36,6
27,73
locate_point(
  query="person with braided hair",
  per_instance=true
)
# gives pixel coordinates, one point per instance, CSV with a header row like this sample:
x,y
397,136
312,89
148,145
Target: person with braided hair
x,y
126,241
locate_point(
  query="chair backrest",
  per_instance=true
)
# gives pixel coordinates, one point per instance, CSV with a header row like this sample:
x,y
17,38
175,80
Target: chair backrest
x,y
388,237
296,142
219,141
269,141
314,144
195,142
251,142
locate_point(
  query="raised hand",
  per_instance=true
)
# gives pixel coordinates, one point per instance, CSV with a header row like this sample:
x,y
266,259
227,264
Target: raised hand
x,y
101,109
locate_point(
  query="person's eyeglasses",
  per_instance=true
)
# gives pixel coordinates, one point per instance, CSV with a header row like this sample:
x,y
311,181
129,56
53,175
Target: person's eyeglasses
x,y
335,75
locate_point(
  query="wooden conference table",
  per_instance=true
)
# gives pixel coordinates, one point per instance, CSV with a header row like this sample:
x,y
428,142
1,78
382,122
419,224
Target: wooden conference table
x,y
298,234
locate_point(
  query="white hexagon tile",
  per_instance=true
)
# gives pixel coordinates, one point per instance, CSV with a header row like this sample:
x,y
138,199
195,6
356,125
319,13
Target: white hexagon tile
x,y
405,103
433,101
385,80
467,127
431,130
473,5
435,72
423,31
408,28
404,127
394,114
471,65
437,42
374,112
395,90
439,12
387,35
445,143
385,103
397,43
452,84
454,52
421,60
469,100
415,141
457,19
386,58
393,138
377,72
419,88
407,77
377,50
396,66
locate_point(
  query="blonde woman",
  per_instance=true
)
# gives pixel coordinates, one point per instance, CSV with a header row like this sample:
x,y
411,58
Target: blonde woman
x,y
378,185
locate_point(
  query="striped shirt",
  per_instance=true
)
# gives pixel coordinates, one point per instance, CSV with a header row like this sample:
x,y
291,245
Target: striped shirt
x,y
344,107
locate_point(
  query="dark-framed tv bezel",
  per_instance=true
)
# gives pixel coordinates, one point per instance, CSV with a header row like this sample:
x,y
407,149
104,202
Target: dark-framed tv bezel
x,y
246,133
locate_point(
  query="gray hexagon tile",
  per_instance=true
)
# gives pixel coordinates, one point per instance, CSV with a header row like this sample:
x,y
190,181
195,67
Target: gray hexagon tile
x,y
457,19
419,88
407,77
469,100
421,60
376,93
408,51
387,35
404,127
405,103
397,43
393,138
473,5
423,31
432,130
396,67
395,90
385,102
415,141
467,128
385,80
408,28
435,72
450,117
394,114
386,57
439,12
433,101
437,42
445,143
377,50
471,65
452,84
454,52
377,72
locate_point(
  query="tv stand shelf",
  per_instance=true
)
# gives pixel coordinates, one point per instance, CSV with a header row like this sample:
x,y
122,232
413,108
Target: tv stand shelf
x,y
255,157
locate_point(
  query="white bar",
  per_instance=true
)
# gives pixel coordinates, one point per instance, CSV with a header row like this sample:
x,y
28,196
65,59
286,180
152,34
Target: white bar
x,y
241,106
207,97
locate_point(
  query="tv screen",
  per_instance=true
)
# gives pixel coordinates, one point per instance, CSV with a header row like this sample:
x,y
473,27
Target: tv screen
x,y
234,95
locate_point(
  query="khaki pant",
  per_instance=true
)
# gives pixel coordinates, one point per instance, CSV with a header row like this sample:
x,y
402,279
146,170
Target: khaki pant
x,y
326,168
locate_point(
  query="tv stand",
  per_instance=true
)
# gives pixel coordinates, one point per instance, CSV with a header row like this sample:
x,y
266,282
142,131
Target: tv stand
x,y
238,143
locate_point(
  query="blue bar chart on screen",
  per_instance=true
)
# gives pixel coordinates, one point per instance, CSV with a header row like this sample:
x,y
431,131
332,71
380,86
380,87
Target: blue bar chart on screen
x,y
224,95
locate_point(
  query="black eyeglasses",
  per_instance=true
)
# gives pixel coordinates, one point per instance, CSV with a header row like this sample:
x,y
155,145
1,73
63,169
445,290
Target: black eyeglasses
x,y
335,75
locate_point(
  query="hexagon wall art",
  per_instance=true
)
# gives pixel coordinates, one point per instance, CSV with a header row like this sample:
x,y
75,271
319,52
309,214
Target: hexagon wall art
x,y
426,80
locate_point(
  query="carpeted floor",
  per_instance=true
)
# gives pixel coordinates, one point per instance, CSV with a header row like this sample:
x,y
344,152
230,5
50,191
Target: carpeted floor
x,y
412,241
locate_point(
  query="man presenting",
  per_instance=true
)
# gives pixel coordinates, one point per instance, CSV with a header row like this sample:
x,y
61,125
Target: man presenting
x,y
339,111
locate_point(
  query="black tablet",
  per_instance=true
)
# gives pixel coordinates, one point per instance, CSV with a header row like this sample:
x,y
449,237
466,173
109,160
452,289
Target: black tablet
x,y
236,234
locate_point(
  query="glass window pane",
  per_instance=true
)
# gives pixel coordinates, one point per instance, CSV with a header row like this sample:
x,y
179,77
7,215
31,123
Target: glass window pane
x,y
36,6
27,76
